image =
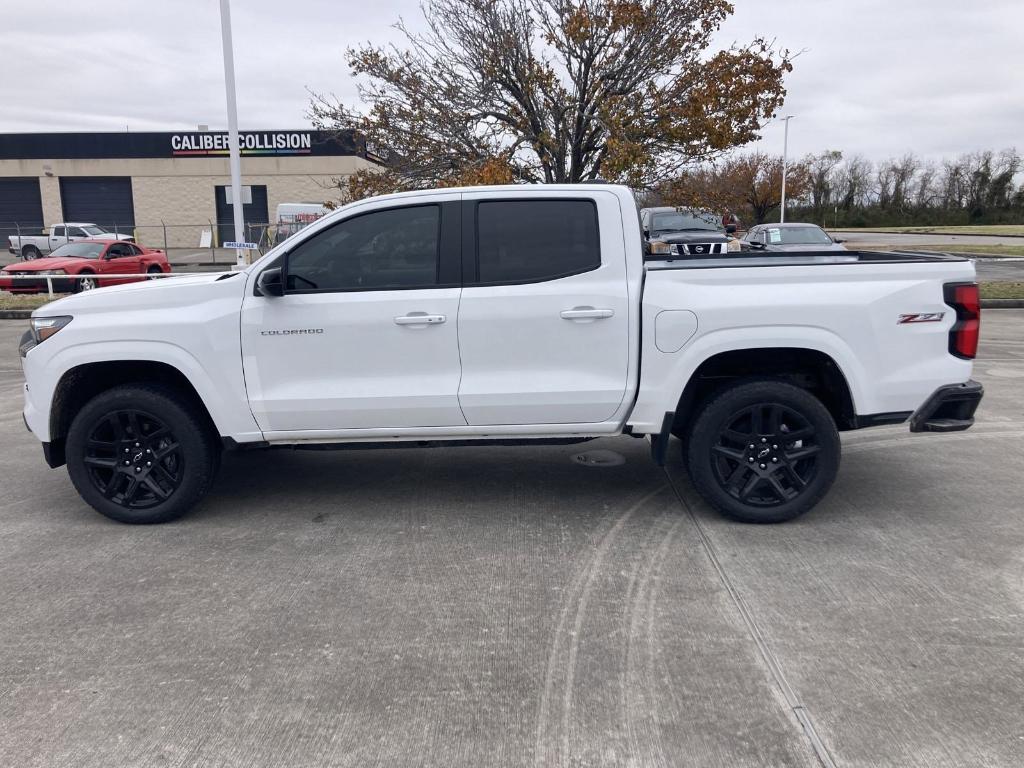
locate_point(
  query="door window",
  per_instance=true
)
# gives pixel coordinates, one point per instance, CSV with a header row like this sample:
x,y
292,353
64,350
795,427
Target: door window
x,y
58,231
527,241
76,232
393,249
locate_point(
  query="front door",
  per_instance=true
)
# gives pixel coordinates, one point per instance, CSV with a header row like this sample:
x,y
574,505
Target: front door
x,y
121,259
366,333
544,317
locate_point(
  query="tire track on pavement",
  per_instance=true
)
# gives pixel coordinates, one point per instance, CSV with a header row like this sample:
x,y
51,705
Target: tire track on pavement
x,y
794,702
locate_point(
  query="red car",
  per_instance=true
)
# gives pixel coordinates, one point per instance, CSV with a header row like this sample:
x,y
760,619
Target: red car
x,y
93,258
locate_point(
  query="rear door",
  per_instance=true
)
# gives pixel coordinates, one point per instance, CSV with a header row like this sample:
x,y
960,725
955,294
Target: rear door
x,y
543,321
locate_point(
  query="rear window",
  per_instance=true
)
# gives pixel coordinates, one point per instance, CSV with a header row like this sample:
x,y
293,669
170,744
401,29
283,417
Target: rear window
x,y
527,241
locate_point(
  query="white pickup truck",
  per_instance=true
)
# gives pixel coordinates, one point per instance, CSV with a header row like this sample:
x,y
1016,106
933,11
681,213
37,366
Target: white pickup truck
x,y
36,246
511,314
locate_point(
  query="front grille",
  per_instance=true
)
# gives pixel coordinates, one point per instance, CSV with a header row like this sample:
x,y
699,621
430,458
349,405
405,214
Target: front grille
x,y
703,249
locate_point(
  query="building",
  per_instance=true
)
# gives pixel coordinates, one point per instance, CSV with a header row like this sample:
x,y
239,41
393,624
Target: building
x,y
170,189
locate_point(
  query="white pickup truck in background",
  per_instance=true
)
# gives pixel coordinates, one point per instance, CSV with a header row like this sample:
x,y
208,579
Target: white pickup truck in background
x,y
36,246
511,314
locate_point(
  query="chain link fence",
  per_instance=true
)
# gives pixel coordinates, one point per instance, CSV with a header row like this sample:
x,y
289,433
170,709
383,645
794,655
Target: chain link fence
x,y
192,243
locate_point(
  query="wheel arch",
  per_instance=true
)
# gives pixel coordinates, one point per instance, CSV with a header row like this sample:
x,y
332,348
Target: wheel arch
x,y
81,383
810,369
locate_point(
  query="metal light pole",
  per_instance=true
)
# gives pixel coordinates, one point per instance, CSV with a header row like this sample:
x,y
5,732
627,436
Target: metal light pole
x,y
785,166
234,152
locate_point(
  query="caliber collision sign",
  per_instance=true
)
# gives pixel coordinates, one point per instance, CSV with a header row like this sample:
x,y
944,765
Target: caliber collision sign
x,y
254,143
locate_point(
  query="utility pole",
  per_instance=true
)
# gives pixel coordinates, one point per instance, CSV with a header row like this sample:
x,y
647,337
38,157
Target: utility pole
x,y
785,166
234,151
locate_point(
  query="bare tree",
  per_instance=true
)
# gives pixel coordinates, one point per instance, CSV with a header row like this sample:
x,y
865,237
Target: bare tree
x,y
854,182
556,91
821,170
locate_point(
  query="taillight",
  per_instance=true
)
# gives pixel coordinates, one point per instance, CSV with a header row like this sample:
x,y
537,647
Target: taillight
x,y
963,336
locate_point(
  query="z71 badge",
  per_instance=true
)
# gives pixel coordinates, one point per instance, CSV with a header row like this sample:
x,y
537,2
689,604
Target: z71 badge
x,y
922,317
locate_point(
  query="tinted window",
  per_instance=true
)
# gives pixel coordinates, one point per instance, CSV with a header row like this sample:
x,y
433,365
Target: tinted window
x,y
533,240
680,222
396,248
58,231
76,232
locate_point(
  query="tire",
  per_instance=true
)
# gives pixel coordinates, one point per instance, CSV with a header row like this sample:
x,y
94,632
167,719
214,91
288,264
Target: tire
x,y
154,270
86,283
792,465
30,253
141,453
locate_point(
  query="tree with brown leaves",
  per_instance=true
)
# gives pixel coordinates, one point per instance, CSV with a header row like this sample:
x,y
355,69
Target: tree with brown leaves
x,y
748,185
557,91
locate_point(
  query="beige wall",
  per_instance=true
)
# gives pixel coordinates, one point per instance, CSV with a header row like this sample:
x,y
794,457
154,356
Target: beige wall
x,y
180,191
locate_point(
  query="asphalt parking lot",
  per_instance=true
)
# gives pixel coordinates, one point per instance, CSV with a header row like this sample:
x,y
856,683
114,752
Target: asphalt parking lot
x,y
499,606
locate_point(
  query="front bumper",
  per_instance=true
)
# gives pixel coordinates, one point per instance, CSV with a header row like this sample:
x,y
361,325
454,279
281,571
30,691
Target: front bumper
x,y
60,285
950,408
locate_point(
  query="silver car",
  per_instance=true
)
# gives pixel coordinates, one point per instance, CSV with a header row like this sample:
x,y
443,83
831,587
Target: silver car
x,y
789,237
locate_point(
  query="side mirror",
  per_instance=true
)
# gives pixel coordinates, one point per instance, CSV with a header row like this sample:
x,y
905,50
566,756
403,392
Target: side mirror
x,y
271,282
730,229
757,246
837,241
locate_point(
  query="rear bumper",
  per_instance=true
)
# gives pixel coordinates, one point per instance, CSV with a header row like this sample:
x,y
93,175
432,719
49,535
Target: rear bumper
x,y
950,408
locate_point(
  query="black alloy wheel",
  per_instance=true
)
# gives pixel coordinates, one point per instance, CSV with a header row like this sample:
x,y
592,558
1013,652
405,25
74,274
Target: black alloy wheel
x,y
134,459
763,451
142,453
766,454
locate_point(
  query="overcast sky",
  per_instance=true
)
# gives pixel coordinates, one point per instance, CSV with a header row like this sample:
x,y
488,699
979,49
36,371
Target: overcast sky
x,y
879,77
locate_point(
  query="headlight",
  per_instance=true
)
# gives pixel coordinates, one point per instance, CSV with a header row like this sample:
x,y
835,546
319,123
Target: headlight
x,y
52,272
44,327
661,248
734,245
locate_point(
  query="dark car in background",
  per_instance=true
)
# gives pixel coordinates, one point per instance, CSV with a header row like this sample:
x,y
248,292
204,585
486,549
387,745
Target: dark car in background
x,y
789,237
685,232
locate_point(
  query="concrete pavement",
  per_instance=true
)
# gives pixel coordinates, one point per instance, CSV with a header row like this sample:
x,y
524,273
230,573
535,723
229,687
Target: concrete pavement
x,y
507,606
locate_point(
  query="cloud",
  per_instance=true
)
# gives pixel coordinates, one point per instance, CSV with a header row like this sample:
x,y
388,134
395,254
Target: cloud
x,y
877,77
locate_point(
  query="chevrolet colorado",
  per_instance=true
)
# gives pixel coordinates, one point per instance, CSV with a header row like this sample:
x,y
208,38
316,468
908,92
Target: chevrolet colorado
x,y
511,314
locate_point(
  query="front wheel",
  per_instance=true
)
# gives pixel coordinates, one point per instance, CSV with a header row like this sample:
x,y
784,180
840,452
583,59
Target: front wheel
x,y
140,454
763,451
85,284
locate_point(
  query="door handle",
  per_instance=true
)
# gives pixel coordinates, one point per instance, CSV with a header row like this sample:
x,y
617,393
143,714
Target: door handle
x,y
586,313
420,318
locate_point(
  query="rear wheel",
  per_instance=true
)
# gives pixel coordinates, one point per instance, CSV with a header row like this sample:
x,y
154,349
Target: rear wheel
x,y
763,451
154,270
140,454
30,252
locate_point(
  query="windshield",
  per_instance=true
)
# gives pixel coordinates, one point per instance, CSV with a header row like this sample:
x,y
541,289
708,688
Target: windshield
x,y
92,229
798,236
79,250
677,221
